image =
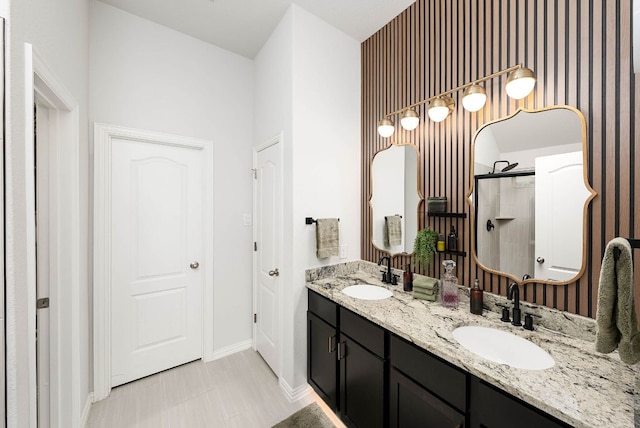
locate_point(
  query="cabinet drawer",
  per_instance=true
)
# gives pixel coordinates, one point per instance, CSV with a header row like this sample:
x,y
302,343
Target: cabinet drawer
x,y
323,307
439,377
362,331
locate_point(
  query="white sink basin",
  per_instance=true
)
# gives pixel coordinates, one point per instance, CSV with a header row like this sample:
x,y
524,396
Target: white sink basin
x,y
367,292
503,347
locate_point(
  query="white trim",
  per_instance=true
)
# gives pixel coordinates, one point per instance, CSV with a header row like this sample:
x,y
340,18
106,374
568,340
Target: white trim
x,y
230,350
84,418
276,139
30,233
303,392
65,315
65,318
103,136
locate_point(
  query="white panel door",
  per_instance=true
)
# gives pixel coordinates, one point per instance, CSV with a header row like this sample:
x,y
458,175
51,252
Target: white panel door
x,y
268,218
156,280
560,196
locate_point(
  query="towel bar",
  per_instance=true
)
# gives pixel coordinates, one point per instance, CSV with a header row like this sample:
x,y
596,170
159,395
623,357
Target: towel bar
x,y
385,217
635,243
311,220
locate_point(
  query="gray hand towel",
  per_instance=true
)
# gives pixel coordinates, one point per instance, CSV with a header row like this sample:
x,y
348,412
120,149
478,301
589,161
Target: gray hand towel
x,y
616,316
327,238
393,230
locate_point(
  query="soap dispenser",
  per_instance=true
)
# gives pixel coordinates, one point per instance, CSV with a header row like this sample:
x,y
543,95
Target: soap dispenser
x,y
475,296
452,240
407,278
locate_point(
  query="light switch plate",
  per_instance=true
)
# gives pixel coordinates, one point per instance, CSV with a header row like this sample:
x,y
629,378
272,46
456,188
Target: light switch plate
x,y
343,251
247,220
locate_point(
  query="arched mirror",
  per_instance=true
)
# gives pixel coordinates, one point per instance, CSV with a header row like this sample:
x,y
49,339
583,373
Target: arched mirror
x,y
529,195
394,199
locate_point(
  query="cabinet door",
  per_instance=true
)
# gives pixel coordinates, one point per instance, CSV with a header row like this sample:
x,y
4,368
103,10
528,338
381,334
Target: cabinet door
x,y
322,362
362,386
412,406
492,408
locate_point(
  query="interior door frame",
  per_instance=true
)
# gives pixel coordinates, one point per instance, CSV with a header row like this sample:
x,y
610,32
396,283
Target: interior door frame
x,y
66,403
66,408
277,139
103,140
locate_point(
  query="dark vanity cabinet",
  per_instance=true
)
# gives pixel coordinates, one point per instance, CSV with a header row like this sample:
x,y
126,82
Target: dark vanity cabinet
x,y
322,343
493,408
375,379
424,391
362,371
346,362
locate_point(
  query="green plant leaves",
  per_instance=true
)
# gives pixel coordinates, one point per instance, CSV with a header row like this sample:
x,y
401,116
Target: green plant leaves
x,y
424,246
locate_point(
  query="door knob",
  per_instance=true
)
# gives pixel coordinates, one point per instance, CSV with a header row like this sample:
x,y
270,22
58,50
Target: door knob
x,y
194,265
540,260
274,272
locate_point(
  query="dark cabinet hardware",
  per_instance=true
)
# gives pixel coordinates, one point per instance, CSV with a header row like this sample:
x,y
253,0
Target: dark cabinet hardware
x,y
332,343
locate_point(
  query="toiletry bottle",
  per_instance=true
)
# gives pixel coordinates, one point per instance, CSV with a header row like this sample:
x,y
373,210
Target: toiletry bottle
x,y
453,239
475,296
407,279
449,292
440,243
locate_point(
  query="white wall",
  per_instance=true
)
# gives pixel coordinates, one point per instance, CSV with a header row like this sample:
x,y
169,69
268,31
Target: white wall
x,y
326,154
58,31
308,86
146,76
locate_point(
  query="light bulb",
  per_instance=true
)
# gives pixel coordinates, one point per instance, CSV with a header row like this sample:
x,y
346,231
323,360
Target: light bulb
x,y
440,108
520,83
409,119
385,127
474,98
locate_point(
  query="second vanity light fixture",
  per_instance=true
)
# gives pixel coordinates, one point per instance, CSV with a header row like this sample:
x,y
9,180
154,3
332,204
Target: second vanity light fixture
x,y
520,83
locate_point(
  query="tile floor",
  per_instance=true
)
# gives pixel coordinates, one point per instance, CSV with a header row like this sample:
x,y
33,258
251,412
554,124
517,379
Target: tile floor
x,y
236,391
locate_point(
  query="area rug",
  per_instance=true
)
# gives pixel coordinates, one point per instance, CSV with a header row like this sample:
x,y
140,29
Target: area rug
x,y
311,416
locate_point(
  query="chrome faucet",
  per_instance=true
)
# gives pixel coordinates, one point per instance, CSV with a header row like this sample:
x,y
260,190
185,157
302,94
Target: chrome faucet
x,y
386,276
514,294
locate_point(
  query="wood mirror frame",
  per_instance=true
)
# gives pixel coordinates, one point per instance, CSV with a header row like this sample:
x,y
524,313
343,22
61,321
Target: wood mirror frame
x,y
473,204
409,215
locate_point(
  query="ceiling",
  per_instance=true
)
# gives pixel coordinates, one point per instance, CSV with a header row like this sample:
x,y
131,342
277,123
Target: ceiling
x,y
243,26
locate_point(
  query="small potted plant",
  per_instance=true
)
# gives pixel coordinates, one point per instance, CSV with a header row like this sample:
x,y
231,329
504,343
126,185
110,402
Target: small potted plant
x,y
424,246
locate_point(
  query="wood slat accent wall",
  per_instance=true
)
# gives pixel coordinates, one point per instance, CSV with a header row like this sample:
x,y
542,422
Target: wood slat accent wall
x,y
581,53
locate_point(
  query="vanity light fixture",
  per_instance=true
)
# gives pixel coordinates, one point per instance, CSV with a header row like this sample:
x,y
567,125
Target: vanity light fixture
x,y
520,83
474,97
410,119
440,108
385,127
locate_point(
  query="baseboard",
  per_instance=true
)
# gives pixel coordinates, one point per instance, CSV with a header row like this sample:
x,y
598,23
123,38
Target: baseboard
x,y
303,392
228,350
85,411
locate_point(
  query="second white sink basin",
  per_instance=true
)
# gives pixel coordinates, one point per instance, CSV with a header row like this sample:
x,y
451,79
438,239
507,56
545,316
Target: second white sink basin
x,y
503,347
367,292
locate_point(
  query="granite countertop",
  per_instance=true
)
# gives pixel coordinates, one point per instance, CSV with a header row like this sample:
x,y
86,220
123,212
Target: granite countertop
x,y
584,388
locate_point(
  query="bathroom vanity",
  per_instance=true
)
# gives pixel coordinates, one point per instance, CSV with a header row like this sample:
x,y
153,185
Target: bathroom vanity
x,y
394,362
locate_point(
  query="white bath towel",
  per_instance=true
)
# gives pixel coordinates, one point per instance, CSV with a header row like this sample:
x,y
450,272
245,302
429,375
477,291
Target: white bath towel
x,y
327,238
617,326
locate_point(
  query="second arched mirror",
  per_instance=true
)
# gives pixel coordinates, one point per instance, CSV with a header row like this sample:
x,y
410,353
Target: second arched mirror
x,y
529,194
395,198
